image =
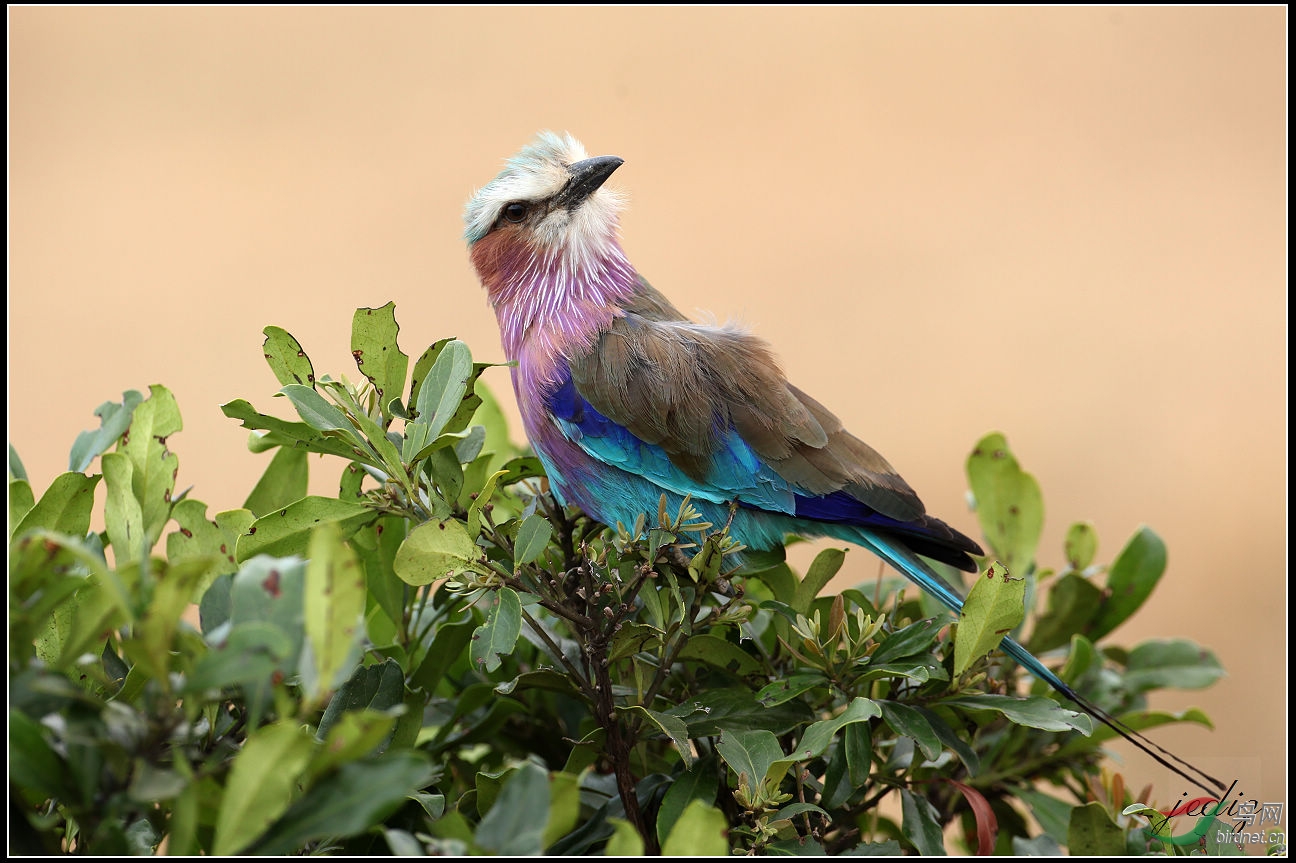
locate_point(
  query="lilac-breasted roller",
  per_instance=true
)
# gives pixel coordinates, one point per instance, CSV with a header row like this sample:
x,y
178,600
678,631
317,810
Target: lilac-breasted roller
x,y
626,399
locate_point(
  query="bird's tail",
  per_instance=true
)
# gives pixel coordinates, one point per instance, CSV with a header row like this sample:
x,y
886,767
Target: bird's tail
x,y
917,571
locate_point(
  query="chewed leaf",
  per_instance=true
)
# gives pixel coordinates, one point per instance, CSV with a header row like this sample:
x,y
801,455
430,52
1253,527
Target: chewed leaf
x,y
377,355
286,358
1008,502
994,607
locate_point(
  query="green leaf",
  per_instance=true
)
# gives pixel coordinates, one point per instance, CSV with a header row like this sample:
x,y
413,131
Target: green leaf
x,y
751,753
262,783
201,538
446,471
785,690
586,751
377,543
270,590
123,518
625,841
491,418
21,500
914,640
498,635
287,433
436,549
434,805
634,638
1008,502
792,810
286,358
151,784
355,734
704,567
482,498
440,394
468,447
286,479
1140,720
994,607
532,537
422,366
55,628
1037,846
520,468
252,654
1170,663
825,566
377,355
1082,659
1092,833
1053,815
857,746
951,740
316,411
63,508
335,602
488,787
287,531
1133,575
154,467
358,796
102,602
33,765
114,420
781,581
515,825
351,485
910,722
921,824
820,734
1081,545
735,708
700,832
182,826
673,727
376,688
446,648
45,571
890,848
802,846
1036,712
697,783
564,806
371,436
175,589
714,650
16,469
1073,601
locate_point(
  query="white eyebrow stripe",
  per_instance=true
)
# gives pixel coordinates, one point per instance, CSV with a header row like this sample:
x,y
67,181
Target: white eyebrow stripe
x,y
539,171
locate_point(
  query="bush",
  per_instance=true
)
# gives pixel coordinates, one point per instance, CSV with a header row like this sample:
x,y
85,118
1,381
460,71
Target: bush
x,y
440,659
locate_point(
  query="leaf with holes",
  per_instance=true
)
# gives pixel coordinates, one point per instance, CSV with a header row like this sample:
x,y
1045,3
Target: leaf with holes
x,y
994,607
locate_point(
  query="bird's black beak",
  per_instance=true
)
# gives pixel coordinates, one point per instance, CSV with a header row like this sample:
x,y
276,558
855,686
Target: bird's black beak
x,y
586,177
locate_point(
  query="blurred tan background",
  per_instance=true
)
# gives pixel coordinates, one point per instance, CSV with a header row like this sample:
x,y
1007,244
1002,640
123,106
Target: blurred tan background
x,y
1064,224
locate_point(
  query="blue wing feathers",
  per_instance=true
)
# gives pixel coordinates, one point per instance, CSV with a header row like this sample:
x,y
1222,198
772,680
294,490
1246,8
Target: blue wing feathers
x,y
735,473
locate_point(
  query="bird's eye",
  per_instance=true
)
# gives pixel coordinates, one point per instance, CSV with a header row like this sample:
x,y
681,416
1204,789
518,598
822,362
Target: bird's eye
x,y
515,212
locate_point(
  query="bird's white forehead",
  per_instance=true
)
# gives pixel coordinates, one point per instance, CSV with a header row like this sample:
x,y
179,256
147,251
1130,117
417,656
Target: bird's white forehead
x,y
537,171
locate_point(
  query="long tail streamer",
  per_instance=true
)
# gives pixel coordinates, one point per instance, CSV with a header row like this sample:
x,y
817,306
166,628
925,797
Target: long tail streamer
x,y
913,568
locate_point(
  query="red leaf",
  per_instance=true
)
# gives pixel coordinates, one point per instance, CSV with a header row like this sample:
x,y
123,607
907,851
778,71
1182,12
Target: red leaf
x,y
987,824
